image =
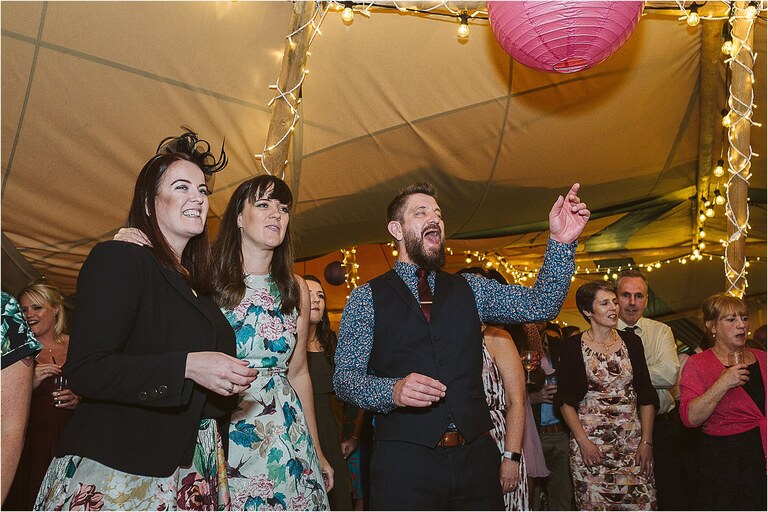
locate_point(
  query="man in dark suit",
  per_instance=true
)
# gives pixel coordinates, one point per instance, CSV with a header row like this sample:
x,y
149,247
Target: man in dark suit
x,y
410,350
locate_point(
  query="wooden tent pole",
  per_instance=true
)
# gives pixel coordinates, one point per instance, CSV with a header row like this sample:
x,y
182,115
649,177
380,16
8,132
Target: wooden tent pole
x,y
739,153
285,106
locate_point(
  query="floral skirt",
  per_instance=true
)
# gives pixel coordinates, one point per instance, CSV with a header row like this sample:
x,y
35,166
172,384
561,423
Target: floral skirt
x,y
78,483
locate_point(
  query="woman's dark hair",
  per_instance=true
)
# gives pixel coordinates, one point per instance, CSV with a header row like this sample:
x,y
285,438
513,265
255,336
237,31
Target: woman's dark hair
x,y
195,264
585,295
325,334
229,287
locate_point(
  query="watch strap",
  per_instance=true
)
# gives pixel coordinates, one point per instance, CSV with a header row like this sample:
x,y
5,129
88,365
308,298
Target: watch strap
x,y
513,456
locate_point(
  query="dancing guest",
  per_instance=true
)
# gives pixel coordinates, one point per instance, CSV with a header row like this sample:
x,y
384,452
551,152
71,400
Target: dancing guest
x,y
19,347
321,347
723,390
151,356
53,403
275,460
603,382
410,349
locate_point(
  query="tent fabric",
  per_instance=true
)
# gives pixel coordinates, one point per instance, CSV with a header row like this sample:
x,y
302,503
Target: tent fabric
x,y
90,88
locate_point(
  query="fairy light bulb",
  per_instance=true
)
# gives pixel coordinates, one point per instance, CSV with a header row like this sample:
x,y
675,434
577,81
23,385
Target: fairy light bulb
x,y
718,171
348,15
702,245
693,16
702,216
719,198
726,118
463,30
702,233
751,11
468,260
709,212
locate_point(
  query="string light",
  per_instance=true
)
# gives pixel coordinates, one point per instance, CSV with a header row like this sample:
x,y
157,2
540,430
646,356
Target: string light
x,y
290,95
693,17
463,31
718,171
727,46
348,14
719,198
351,266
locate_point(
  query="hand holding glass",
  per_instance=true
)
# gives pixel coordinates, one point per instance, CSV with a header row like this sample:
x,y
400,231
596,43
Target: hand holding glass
x,y
531,360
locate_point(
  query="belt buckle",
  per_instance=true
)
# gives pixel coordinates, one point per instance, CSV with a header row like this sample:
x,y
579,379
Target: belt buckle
x,y
452,438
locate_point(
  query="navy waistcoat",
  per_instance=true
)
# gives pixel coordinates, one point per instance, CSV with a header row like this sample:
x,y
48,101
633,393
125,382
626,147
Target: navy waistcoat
x,y
448,349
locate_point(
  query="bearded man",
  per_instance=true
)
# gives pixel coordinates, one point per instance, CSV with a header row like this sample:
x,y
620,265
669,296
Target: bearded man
x,y
410,349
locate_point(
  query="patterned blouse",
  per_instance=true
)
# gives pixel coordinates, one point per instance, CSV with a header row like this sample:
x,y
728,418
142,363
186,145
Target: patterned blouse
x,y
18,340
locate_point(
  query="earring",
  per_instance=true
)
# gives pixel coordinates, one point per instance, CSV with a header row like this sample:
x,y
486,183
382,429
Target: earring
x,y
713,334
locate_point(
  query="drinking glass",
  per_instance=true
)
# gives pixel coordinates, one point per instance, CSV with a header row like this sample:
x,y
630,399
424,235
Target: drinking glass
x,y
531,360
60,384
736,357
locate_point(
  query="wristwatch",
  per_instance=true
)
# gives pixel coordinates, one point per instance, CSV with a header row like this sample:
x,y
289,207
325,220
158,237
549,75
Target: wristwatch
x,y
513,456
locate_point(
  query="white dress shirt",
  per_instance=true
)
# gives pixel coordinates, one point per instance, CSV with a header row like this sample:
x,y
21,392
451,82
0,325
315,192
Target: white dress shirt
x,y
660,356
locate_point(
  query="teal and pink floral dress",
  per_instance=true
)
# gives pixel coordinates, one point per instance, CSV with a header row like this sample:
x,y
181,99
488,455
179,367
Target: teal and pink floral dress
x,y
272,463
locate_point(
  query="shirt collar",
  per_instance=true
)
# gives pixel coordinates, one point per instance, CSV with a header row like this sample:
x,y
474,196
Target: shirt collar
x,y
639,328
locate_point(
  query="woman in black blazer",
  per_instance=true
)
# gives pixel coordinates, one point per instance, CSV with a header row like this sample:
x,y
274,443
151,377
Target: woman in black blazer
x,y
151,356
606,397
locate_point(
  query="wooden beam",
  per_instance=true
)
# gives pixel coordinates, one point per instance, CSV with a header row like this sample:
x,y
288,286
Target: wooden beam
x,y
739,153
291,74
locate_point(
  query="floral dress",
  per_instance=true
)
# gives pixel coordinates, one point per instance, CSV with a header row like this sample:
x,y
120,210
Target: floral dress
x,y
610,419
272,462
517,498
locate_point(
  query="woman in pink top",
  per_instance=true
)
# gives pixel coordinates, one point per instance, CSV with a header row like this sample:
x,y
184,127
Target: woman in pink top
x,y
723,390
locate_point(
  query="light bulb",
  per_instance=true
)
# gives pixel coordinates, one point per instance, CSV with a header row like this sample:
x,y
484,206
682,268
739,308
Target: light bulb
x,y
709,212
488,264
727,47
463,31
649,268
657,265
726,118
718,170
693,17
702,217
348,15
702,245
468,260
750,12
719,198
702,233
395,253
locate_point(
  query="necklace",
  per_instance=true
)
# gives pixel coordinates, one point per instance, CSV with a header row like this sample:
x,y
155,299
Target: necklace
x,y
606,345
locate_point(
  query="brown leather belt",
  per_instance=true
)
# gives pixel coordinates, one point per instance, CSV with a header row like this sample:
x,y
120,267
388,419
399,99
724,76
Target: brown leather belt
x,y
453,438
551,429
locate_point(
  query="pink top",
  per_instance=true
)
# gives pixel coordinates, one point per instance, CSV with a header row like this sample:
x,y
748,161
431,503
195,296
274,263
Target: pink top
x,y
736,412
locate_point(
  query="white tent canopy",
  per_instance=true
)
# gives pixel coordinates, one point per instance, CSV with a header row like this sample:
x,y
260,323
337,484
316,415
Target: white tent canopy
x,y
90,88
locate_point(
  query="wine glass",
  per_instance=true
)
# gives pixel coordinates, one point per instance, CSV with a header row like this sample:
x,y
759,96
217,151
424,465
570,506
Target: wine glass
x,y
531,360
60,384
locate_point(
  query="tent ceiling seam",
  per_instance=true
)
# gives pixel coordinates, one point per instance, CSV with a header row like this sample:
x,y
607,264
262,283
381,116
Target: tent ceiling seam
x,y
499,144
134,71
27,93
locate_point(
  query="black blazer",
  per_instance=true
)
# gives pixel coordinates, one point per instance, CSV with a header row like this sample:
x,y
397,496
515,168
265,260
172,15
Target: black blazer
x,y
136,322
572,374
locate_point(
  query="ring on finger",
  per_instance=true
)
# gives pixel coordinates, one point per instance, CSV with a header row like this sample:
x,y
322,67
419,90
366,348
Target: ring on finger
x,y
231,388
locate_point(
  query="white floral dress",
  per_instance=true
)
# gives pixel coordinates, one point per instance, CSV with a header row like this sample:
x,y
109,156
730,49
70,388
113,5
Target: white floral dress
x,y
272,463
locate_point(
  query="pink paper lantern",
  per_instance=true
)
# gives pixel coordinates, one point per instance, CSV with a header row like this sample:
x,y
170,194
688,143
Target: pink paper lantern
x,y
563,36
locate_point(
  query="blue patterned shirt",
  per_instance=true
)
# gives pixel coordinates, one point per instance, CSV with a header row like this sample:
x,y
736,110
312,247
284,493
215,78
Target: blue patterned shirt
x,y
496,303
